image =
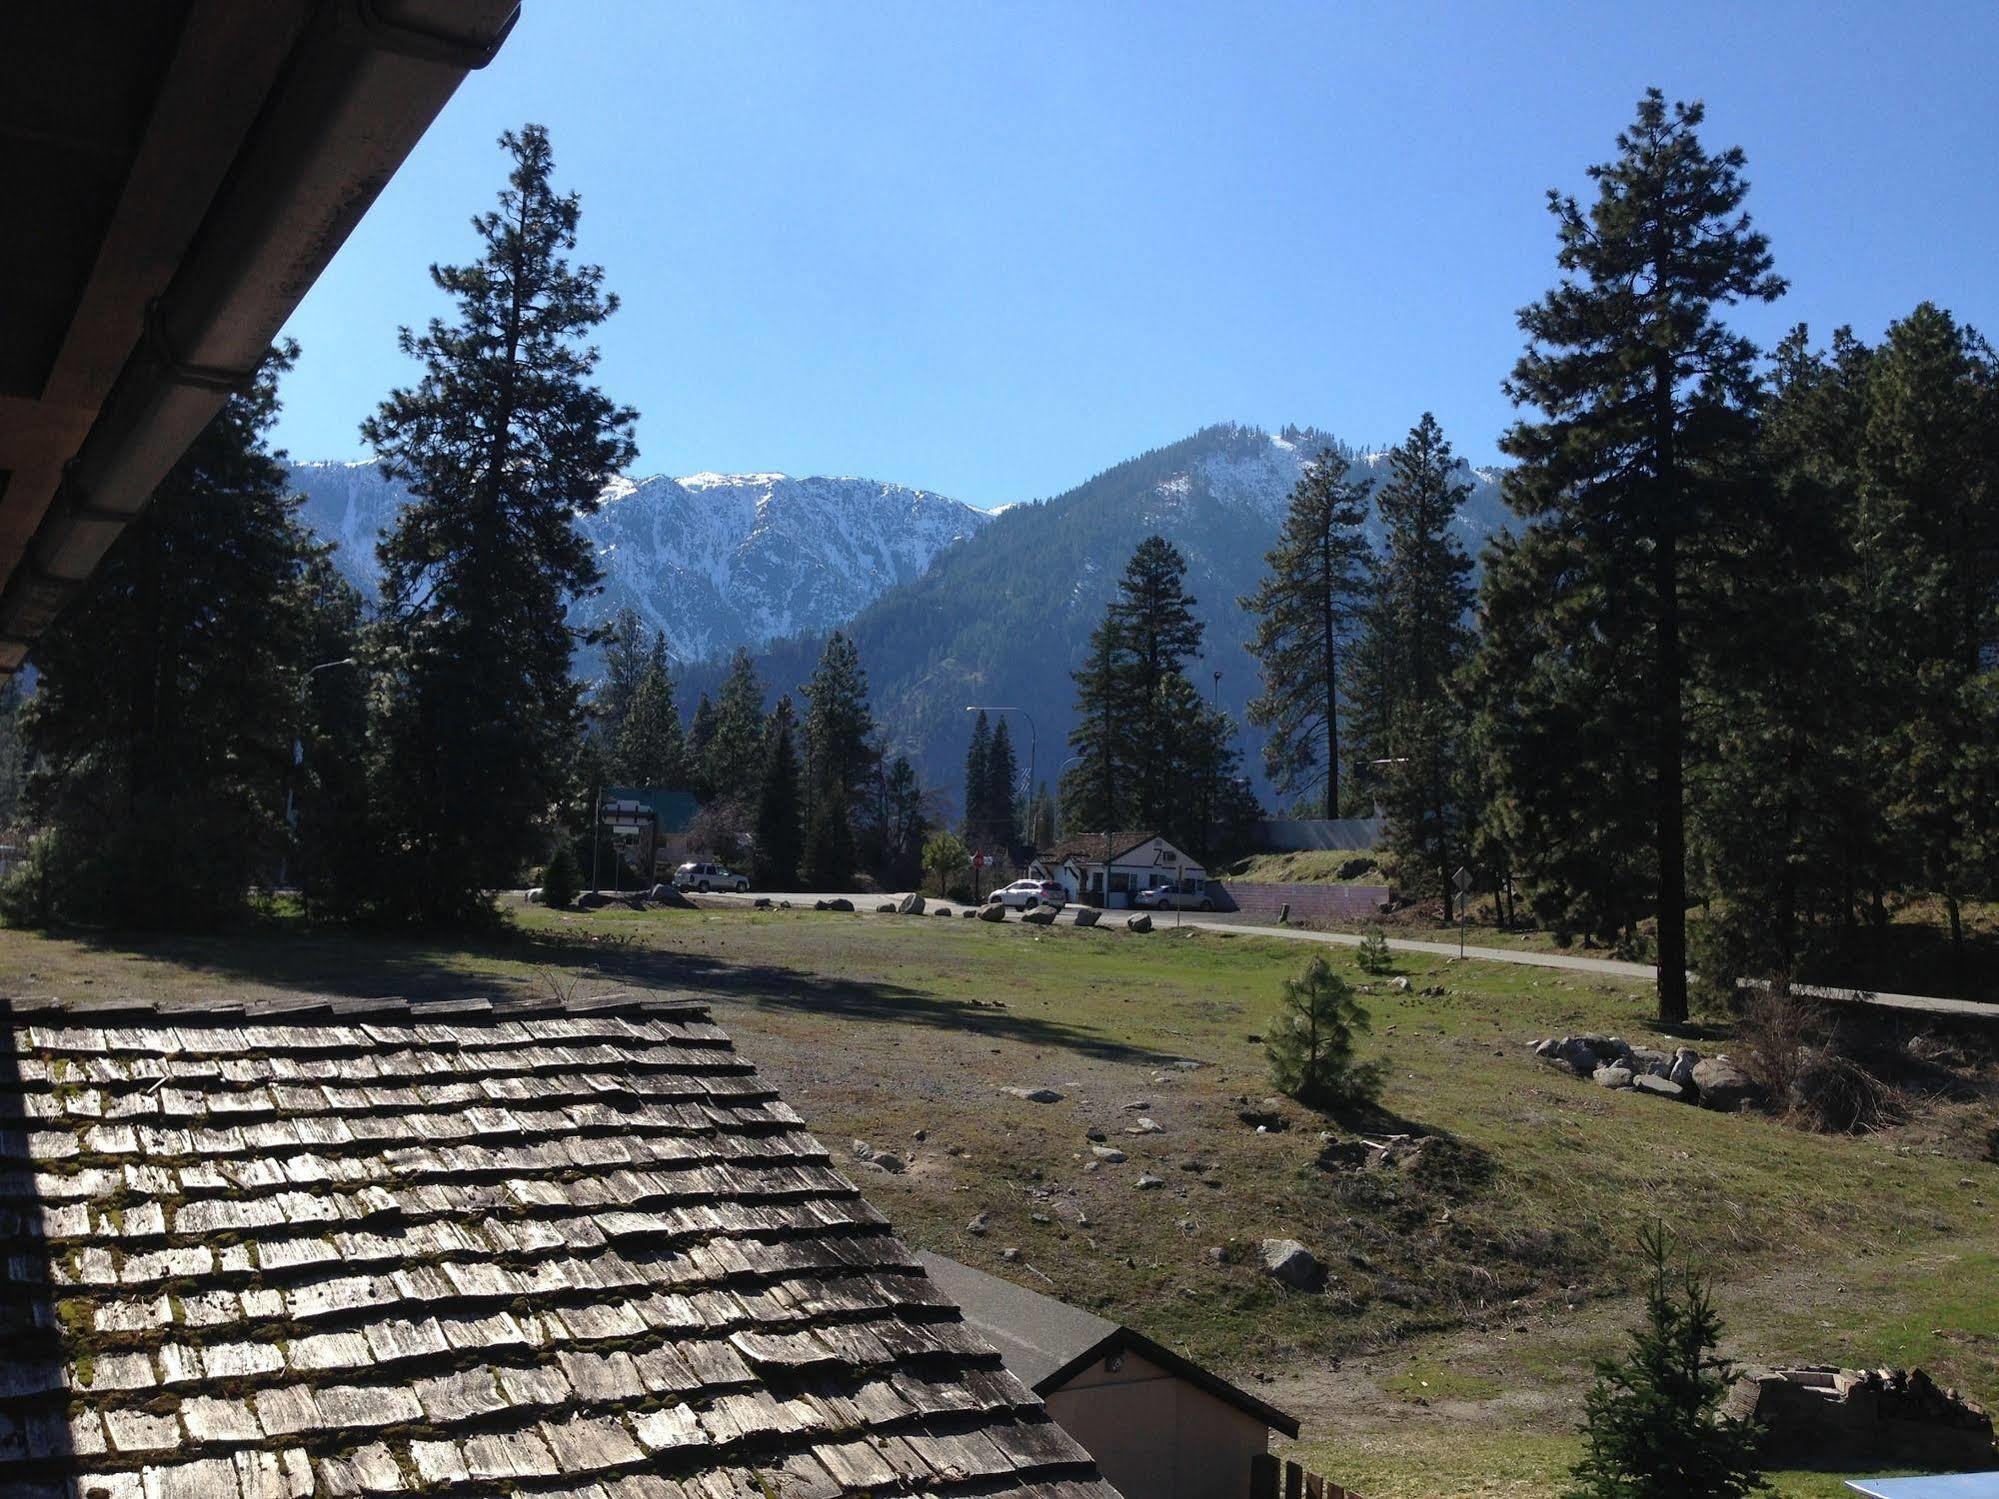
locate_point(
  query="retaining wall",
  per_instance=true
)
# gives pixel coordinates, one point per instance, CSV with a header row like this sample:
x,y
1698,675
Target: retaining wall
x,y
1307,902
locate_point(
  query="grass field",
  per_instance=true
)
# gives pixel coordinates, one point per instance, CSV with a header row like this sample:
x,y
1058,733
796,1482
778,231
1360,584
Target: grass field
x,y
1451,1349
1309,866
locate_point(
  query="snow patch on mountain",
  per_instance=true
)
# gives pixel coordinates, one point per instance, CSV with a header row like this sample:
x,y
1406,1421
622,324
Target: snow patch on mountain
x,y
714,560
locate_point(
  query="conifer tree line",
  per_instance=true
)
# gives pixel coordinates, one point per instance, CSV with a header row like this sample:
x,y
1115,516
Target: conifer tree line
x,y
1739,655
221,713
1737,659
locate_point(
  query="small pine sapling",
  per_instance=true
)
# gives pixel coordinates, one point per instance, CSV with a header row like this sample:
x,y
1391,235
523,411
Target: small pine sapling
x,y
559,881
1653,1426
1311,1046
1373,955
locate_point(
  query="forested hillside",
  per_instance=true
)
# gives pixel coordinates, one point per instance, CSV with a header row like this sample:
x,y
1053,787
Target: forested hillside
x,y
1004,616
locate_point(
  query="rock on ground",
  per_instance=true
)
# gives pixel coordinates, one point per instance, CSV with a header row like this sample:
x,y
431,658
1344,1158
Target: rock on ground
x,y
1138,923
1039,916
1292,1264
992,911
1033,1095
1724,1086
1086,916
1612,1077
910,905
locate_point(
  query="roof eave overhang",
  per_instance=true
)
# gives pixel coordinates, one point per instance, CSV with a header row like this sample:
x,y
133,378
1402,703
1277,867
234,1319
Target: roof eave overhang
x,y
238,198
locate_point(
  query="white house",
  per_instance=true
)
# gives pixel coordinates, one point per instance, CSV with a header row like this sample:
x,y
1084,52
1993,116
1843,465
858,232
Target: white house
x,y
1135,861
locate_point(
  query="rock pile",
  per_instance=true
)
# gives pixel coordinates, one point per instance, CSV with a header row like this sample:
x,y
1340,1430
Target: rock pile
x,y
1612,1062
1848,1415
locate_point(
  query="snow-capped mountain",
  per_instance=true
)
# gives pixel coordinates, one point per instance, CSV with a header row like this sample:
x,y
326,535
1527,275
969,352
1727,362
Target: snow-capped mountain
x,y
714,560
1006,617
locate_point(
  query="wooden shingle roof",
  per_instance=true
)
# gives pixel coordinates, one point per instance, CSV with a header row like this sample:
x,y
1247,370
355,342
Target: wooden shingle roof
x,y
463,1249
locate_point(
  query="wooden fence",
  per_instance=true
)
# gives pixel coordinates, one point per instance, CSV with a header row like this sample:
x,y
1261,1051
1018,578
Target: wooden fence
x,y
1270,1479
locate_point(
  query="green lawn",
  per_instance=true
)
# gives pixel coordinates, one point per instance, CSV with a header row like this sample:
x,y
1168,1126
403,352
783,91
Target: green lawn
x,y
1450,1351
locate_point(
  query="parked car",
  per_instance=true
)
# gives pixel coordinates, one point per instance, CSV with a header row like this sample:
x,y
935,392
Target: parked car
x,y
1169,898
706,877
1022,894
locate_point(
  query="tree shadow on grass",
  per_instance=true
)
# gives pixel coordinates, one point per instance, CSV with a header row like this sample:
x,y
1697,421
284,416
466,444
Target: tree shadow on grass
x,y
343,963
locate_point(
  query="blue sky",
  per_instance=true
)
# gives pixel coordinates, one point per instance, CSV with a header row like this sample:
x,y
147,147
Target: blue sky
x,y
991,249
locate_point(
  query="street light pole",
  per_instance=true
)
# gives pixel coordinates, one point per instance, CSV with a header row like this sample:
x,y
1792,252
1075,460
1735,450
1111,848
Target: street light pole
x,y
298,753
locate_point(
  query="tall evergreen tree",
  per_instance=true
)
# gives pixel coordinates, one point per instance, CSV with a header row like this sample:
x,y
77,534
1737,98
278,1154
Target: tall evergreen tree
x,y
1416,618
778,833
1927,517
700,741
625,660
502,443
977,754
1002,781
1154,614
829,844
334,839
650,748
734,752
161,728
838,727
1092,799
1649,420
1305,613
13,753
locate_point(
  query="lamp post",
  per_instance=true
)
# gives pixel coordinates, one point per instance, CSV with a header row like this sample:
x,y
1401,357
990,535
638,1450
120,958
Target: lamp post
x,y
990,708
298,752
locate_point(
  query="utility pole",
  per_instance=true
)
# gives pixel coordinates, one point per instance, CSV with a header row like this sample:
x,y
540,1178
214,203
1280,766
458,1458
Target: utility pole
x,y
298,753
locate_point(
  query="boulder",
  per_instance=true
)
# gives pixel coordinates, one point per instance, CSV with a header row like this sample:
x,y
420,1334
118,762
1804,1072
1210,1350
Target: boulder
x,y
1087,915
1684,1062
910,905
761,903
1398,986
969,915
994,912
1145,1126
1649,1059
980,1223
1665,1087
1109,1153
1138,923
591,900
1033,1095
1724,1086
533,897
1039,916
1148,1184
1292,1264
943,911
839,903
886,908
1611,1077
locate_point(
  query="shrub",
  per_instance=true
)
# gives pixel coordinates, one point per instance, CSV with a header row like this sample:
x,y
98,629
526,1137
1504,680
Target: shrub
x,y
1311,1044
960,892
944,854
1653,1426
1373,955
559,881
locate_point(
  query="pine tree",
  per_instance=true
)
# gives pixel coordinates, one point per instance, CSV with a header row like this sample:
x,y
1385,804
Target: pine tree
x,y
700,741
1002,779
734,751
1927,518
1649,414
13,755
1418,638
900,823
977,753
1153,614
1305,613
624,663
334,839
778,833
502,443
1091,792
1311,1044
1653,1427
649,750
162,724
838,727
829,845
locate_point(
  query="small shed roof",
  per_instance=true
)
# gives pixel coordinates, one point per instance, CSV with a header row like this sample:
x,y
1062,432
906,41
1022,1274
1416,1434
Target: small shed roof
x,y
1046,1342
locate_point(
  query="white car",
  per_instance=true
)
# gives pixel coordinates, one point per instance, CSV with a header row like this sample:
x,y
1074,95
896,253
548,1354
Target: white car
x,y
1167,898
1023,894
706,877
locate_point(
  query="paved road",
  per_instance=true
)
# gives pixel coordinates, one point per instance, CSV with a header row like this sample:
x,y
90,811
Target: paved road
x,y
1925,1004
